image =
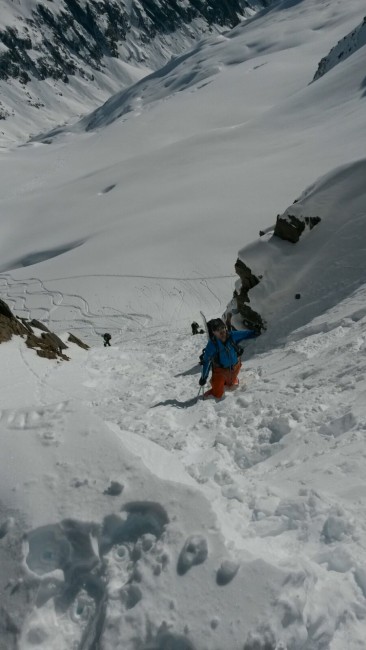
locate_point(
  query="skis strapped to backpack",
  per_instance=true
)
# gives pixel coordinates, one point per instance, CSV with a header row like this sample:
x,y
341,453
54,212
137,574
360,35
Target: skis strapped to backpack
x,y
207,334
205,325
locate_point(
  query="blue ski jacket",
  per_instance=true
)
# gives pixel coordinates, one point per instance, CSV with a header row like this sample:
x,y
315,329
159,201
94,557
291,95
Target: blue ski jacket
x,y
224,354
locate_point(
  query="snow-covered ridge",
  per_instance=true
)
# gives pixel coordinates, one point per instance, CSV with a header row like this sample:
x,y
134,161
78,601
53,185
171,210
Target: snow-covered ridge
x,y
298,281
64,58
344,48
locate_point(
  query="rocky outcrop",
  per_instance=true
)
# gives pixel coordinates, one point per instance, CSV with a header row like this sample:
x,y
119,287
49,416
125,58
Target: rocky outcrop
x,y
47,345
39,325
5,310
291,226
251,318
74,339
11,326
344,48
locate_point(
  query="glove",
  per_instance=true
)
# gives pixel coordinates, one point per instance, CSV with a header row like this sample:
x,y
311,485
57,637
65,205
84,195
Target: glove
x,y
202,381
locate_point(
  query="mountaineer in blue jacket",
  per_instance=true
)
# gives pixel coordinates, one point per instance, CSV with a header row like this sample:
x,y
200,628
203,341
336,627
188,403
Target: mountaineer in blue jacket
x,y
223,353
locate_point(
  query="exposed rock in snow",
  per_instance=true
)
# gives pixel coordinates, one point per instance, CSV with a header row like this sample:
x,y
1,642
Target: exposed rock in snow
x,y
291,224
334,202
41,326
248,281
344,48
5,310
10,325
47,344
74,339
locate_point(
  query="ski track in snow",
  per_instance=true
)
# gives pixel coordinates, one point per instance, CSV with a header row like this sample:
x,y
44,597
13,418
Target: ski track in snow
x,y
31,298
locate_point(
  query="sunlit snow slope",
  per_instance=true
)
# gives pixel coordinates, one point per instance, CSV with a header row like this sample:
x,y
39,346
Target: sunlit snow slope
x,y
155,521
170,190
158,522
59,60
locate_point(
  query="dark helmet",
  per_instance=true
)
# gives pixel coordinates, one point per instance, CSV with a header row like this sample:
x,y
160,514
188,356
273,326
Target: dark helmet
x,y
215,324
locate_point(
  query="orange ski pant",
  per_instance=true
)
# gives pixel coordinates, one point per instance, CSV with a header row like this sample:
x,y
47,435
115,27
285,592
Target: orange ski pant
x,y
222,377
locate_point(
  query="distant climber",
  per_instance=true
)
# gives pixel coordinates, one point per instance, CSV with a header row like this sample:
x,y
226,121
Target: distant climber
x,y
196,328
107,337
223,353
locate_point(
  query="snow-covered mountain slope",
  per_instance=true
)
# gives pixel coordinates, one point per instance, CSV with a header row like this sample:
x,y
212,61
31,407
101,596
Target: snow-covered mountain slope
x,y
61,59
344,48
169,191
326,266
153,521
265,35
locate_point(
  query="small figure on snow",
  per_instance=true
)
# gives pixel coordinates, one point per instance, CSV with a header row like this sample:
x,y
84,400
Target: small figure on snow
x,y
107,337
196,328
223,353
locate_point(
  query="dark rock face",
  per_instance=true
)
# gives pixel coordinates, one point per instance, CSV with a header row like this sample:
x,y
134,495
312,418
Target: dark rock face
x,y
248,279
53,341
39,325
290,227
76,33
5,310
74,339
251,318
48,345
343,49
10,326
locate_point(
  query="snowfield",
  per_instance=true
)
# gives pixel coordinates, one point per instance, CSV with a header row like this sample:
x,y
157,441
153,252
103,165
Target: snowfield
x,y
133,515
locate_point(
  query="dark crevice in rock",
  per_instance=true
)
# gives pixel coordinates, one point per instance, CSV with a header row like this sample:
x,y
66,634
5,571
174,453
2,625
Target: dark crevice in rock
x,y
251,318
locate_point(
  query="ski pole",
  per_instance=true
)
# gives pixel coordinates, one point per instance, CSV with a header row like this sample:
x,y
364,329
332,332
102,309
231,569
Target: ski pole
x,y
198,394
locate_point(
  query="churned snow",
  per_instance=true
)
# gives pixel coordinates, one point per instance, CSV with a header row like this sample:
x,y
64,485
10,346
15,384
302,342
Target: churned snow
x,y
153,520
